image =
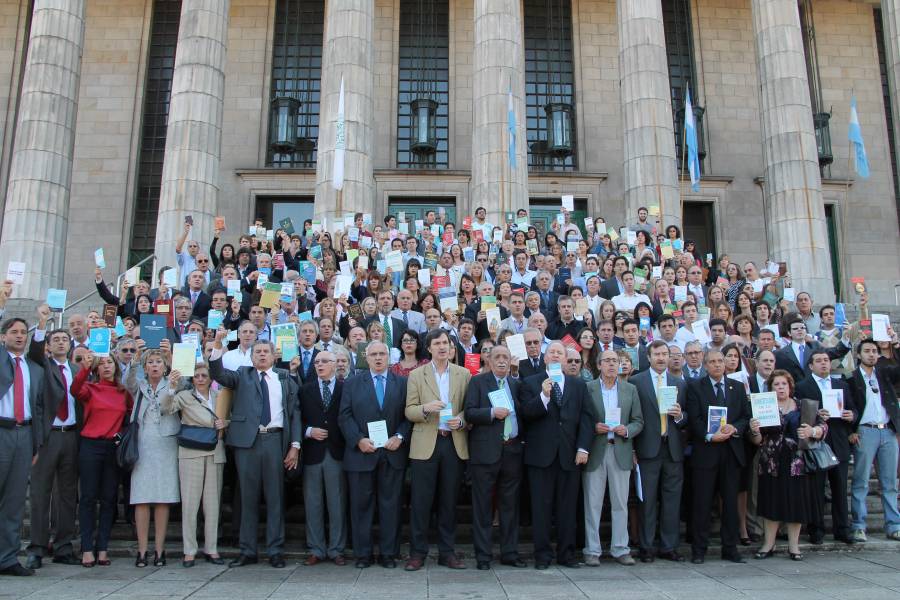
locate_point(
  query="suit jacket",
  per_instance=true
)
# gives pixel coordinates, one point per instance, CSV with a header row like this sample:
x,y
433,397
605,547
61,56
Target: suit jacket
x,y
482,332
486,434
557,330
839,430
173,334
310,372
609,288
359,407
632,418
649,442
415,318
398,328
700,395
556,431
246,405
39,430
643,359
508,324
421,389
137,385
786,359
687,376
526,369
201,306
315,415
887,377
55,391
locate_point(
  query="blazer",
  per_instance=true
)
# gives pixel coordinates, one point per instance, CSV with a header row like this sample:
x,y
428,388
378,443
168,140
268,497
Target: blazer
x,y
421,389
398,328
643,358
887,377
246,405
839,430
526,369
786,359
310,372
486,433
632,418
55,391
609,288
169,423
315,415
201,306
509,324
39,429
193,410
482,332
700,395
415,318
553,431
648,444
359,407
549,309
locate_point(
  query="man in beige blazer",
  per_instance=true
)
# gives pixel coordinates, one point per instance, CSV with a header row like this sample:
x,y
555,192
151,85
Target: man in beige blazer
x,y
610,459
435,400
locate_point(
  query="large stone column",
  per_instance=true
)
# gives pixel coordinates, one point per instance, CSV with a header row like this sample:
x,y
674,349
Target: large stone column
x,y
890,18
349,53
793,188
35,219
498,67
190,177
650,165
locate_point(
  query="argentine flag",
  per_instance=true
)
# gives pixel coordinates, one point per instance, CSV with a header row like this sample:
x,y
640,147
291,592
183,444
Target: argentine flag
x,y
859,147
690,136
511,126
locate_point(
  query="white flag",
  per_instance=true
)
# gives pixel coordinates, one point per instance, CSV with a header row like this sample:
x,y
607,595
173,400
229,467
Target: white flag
x,y
337,178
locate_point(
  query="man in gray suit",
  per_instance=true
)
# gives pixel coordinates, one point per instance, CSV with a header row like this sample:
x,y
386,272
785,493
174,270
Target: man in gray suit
x,y
413,320
265,434
21,433
661,457
610,459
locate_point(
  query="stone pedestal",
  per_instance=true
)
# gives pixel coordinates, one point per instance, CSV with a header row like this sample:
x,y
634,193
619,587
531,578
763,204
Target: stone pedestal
x,y
35,219
793,188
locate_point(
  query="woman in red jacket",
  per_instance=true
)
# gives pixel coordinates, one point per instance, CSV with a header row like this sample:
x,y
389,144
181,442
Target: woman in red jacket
x,y
105,402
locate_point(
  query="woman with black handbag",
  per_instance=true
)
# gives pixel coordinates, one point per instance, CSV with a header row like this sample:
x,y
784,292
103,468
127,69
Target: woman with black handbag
x,y
106,404
201,461
784,493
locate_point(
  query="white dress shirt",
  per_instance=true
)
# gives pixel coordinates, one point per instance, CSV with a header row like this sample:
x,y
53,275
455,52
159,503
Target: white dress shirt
x,y
514,430
443,384
276,406
874,414
237,358
7,402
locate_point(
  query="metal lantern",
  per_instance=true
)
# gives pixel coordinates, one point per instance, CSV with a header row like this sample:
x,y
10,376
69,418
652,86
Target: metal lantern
x,y
559,129
823,138
283,125
423,128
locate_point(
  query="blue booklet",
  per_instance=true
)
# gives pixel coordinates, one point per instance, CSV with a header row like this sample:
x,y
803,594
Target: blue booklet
x,y
153,330
99,341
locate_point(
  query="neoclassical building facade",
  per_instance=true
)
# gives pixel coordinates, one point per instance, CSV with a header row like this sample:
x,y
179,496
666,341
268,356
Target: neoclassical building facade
x,y
118,118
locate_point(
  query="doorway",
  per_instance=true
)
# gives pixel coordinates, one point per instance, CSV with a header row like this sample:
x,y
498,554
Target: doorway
x,y
699,224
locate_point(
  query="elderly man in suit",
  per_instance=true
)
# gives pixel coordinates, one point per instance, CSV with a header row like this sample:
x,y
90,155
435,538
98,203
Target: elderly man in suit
x,y
412,319
22,433
558,434
322,453
265,434
610,459
793,357
660,454
495,457
717,457
393,327
375,471
435,400
58,459
534,363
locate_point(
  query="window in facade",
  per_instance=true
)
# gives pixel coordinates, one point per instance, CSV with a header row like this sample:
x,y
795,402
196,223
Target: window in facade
x,y
296,83
888,114
821,117
549,85
154,122
423,85
682,74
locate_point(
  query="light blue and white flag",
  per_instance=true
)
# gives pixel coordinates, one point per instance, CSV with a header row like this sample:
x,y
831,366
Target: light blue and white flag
x,y
690,136
859,147
511,126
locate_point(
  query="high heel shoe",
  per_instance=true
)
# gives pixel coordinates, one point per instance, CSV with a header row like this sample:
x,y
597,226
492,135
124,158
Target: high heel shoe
x,y
796,556
763,555
216,560
141,560
159,560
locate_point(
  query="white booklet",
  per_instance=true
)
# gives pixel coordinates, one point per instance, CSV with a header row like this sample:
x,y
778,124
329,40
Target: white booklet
x,y
378,432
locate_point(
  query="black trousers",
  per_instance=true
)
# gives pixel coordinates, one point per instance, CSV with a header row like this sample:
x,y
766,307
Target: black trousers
x,y
506,476
554,492
441,474
840,522
382,486
725,473
99,482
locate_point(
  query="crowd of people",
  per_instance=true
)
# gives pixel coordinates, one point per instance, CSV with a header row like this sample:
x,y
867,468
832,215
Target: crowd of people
x,y
542,375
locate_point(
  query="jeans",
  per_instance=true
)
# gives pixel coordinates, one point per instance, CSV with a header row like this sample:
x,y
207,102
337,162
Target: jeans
x,y
880,444
99,481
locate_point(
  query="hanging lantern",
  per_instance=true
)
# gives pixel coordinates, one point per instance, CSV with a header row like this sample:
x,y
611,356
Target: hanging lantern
x,y
423,128
283,125
559,129
823,138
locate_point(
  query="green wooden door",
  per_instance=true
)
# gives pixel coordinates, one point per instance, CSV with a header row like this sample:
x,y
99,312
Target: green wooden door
x,y
416,209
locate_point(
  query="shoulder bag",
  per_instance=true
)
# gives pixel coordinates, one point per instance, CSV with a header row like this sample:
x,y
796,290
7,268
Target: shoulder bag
x,y
196,437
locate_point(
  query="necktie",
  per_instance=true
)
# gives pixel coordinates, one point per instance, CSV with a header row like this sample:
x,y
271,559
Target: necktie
x,y
534,362
388,337
800,352
19,392
405,318
379,390
325,346
193,298
62,413
305,361
720,395
266,415
507,422
556,395
326,395
663,418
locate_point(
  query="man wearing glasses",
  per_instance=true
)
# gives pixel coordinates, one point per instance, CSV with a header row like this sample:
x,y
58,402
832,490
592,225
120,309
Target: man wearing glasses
x,y
695,283
187,260
792,358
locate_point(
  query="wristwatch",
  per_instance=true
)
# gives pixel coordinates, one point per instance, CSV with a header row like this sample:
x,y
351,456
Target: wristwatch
x,y
295,445
398,436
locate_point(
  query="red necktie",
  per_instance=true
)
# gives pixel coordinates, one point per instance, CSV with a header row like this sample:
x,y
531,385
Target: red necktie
x,y
62,413
19,393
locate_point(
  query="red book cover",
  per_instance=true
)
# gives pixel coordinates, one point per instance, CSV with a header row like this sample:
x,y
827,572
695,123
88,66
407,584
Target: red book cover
x,y
467,223
569,342
473,363
478,235
439,282
447,239
164,307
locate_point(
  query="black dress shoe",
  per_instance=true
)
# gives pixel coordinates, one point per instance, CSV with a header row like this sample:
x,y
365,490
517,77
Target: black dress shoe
x,y
216,560
698,559
817,540
516,562
33,562
645,557
16,570
571,564
541,566
483,565
66,559
364,563
187,564
277,561
734,557
672,556
389,562
243,560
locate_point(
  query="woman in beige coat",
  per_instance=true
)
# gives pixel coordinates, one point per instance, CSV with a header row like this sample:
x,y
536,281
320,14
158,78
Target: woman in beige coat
x,y
199,471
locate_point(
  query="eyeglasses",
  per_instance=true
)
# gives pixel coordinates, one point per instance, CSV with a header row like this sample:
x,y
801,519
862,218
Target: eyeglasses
x,y
128,350
532,343
573,361
202,261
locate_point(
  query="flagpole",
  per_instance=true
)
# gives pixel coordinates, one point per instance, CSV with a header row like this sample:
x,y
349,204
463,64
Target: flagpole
x,y
681,175
844,205
659,196
812,247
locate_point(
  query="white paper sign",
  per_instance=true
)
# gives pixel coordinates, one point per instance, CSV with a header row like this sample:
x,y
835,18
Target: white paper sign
x,y
880,323
790,294
342,286
765,409
424,276
15,272
378,433
833,402
516,345
568,202
701,331
613,417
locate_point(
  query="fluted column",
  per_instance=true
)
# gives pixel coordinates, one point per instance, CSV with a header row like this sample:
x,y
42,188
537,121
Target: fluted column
x,y
793,188
348,52
35,217
650,165
190,177
498,67
890,18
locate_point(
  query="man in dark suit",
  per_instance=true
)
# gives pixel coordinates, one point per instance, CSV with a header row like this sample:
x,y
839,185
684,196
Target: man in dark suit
x,y
875,398
542,285
182,320
495,458
793,357
193,291
717,458
393,327
375,472
478,315
613,286
634,346
660,453
693,361
307,352
58,460
566,323
265,434
839,429
323,451
558,434
22,432
535,362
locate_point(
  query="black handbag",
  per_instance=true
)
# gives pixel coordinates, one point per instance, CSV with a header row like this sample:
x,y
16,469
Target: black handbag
x,y
820,457
127,451
199,438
